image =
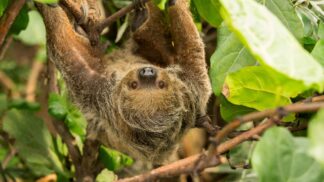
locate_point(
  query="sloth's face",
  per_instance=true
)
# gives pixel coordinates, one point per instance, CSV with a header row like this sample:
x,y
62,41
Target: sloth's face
x,y
152,99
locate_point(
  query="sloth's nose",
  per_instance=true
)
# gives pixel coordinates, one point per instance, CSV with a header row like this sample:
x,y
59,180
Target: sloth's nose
x,y
147,74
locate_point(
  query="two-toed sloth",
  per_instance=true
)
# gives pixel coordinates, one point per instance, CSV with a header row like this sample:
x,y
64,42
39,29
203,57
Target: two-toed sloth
x,y
143,98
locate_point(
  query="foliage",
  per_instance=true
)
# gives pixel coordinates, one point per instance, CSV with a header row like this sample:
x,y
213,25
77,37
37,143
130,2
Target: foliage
x,y
269,53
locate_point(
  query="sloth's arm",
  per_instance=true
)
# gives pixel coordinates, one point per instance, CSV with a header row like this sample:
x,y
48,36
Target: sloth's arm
x,y
188,45
73,55
152,35
190,53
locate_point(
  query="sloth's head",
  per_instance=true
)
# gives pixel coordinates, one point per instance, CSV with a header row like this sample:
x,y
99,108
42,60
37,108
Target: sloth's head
x,y
153,99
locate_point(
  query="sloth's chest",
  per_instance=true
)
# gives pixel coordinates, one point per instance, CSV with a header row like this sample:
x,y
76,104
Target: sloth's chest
x,y
151,146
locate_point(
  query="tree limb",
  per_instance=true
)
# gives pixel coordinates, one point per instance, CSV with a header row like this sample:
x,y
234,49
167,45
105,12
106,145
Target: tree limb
x,y
9,17
193,163
9,84
32,81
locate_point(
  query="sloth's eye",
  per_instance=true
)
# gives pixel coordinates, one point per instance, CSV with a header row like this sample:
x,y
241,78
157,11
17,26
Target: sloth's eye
x,y
161,84
134,84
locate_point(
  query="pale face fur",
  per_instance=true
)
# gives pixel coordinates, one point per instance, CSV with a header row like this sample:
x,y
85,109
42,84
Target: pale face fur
x,y
149,116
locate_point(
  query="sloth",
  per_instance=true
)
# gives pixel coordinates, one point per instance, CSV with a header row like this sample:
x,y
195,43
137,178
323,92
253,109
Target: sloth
x,y
140,99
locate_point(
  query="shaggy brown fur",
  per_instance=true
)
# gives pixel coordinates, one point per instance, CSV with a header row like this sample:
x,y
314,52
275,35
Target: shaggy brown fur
x,y
143,119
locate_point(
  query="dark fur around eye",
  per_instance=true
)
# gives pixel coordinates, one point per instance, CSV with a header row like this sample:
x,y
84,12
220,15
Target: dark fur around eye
x,y
162,84
133,85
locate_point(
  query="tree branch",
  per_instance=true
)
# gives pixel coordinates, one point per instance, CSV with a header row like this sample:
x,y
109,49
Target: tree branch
x,y
4,48
122,12
32,80
198,162
93,26
9,84
9,17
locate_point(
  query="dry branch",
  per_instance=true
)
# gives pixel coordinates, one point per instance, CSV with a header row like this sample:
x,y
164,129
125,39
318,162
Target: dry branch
x,y
32,81
9,17
4,48
122,12
198,162
9,85
92,26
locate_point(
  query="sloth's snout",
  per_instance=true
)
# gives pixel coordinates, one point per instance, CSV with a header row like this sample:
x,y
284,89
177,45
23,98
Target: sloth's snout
x,y
147,75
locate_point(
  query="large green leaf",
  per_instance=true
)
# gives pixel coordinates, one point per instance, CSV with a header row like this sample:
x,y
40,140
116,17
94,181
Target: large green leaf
x,y
33,141
260,88
285,11
35,31
316,136
280,157
230,111
271,43
209,10
229,57
318,52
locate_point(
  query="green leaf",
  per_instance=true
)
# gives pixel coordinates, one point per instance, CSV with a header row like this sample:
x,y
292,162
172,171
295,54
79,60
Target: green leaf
x,y
280,157
3,103
318,52
230,111
106,176
3,6
23,104
75,121
260,88
320,32
35,31
209,10
160,3
47,1
21,21
230,56
316,136
57,106
285,11
271,43
33,141
114,160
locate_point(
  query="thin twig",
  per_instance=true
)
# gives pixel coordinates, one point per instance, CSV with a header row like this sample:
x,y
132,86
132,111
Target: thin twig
x,y
94,26
9,17
122,12
12,152
5,47
9,85
32,81
293,108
